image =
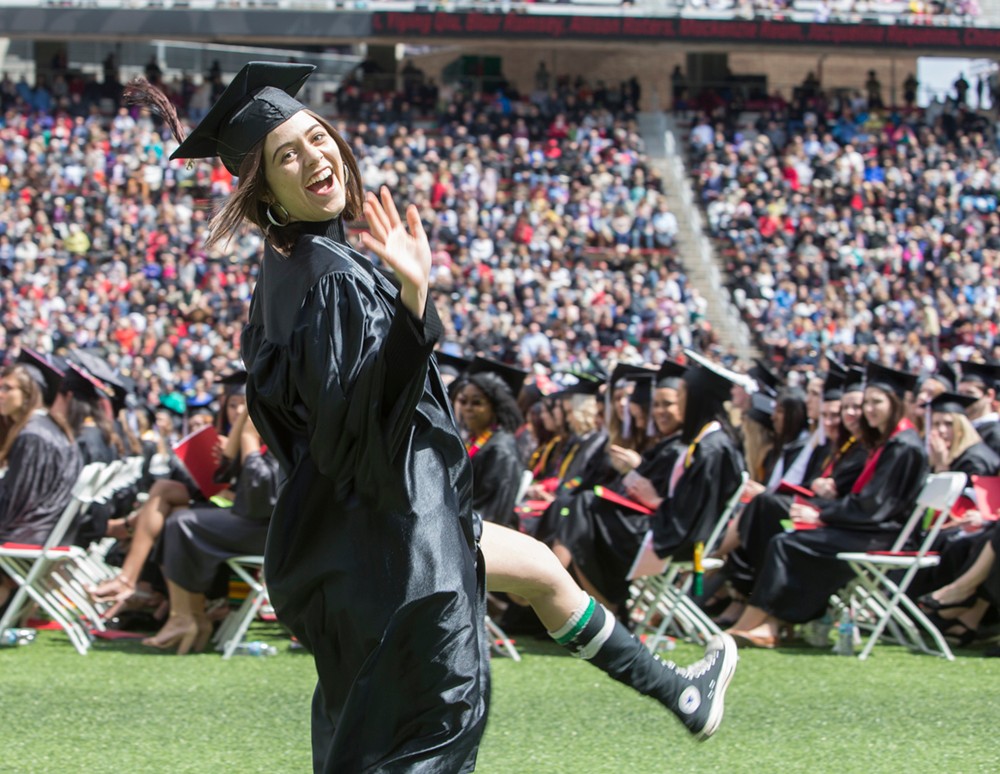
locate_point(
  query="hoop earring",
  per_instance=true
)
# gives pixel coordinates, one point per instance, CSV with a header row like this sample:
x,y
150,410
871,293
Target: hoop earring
x,y
347,175
274,221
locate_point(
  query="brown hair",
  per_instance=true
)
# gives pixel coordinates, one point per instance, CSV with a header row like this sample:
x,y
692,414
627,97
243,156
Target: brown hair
x,y
870,436
13,425
250,200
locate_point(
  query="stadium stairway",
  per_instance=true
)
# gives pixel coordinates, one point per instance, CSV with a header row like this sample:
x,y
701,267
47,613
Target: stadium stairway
x,y
695,250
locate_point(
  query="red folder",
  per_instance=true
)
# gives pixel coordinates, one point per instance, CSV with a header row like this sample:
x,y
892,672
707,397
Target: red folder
x,y
987,495
197,452
617,499
794,489
802,526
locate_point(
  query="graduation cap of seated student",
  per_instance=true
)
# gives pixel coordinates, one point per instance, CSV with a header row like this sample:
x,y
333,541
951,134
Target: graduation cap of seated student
x,y
260,98
575,384
708,379
951,403
670,374
889,379
833,384
234,383
854,381
451,365
767,381
82,385
101,370
761,409
43,372
641,381
946,376
512,376
986,374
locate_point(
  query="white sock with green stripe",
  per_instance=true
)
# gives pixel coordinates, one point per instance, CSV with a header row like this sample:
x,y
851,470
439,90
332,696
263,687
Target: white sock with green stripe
x,y
586,630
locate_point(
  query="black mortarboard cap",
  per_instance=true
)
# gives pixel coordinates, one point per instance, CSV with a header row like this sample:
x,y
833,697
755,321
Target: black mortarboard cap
x,y
626,372
767,380
889,379
452,365
46,375
835,367
513,377
670,373
260,98
987,374
82,385
855,380
952,403
642,394
946,376
101,370
576,384
233,383
833,384
761,409
707,379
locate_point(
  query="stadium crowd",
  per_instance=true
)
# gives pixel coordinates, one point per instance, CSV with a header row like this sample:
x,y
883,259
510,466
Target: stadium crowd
x,y
855,236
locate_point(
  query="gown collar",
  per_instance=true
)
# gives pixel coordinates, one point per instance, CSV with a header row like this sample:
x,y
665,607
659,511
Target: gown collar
x,y
331,229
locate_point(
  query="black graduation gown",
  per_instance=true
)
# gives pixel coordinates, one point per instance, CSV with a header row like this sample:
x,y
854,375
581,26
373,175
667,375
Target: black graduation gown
x,y
496,478
371,556
606,537
990,433
978,460
701,492
42,468
581,454
196,542
762,517
93,447
801,570
94,523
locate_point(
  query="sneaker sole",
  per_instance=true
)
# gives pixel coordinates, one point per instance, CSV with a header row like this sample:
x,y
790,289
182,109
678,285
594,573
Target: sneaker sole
x,y
730,657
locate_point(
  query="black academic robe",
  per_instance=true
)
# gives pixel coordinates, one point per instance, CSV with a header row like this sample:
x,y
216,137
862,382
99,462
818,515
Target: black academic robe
x,y
94,523
93,447
496,478
371,556
606,537
42,468
580,461
990,433
762,517
711,475
978,460
801,570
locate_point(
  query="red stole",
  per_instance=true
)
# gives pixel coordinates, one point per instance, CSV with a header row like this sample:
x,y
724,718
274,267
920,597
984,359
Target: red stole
x,y
873,457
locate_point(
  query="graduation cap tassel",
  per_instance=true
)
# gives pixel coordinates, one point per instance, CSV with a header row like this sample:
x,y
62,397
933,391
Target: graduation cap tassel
x,y
699,568
142,93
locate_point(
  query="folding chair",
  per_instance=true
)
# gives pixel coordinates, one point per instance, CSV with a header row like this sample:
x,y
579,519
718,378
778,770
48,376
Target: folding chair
x,y
30,566
662,590
250,570
885,599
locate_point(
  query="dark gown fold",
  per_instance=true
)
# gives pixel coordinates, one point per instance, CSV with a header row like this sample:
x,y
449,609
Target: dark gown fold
x,y
371,556
496,475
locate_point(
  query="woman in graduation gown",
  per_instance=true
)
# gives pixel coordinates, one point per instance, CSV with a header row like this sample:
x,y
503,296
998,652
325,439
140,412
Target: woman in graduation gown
x,y
489,415
953,443
835,466
800,569
371,556
41,459
606,536
372,551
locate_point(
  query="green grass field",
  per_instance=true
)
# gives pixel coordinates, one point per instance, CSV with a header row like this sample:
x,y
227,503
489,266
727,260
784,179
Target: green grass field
x,y
123,708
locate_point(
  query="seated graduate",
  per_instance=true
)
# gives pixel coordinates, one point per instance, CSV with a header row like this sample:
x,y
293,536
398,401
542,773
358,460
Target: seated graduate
x,y
944,379
42,462
800,569
600,541
196,542
834,467
979,381
952,441
488,413
758,436
709,469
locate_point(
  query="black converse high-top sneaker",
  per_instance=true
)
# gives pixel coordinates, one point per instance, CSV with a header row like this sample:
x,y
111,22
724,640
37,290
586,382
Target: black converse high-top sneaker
x,y
700,704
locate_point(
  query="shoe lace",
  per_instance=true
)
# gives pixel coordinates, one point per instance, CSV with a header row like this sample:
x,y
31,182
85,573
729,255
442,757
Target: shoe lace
x,y
697,669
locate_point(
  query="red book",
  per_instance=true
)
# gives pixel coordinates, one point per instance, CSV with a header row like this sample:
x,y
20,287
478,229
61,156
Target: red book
x,y
801,526
987,495
197,452
617,499
794,489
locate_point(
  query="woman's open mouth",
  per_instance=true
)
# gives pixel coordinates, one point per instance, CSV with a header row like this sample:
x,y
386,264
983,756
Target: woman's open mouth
x,y
321,183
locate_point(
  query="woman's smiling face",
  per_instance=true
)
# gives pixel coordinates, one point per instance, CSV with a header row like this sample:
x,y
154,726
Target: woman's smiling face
x,y
304,169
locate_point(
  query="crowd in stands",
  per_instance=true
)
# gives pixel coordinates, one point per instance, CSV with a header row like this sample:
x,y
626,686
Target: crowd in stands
x,y
854,234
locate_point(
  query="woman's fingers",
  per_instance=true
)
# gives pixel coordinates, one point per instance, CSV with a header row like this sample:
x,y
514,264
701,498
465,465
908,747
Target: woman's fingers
x,y
378,221
390,207
415,224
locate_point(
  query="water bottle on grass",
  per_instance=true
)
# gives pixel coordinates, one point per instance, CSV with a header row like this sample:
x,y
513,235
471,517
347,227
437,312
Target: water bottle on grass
x,y
256,648
13,637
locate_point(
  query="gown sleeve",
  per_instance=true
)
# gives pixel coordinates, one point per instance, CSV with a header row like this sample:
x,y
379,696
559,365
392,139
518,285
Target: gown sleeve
x,y
257,487
360,372
27,487
978,460
496,477
885,500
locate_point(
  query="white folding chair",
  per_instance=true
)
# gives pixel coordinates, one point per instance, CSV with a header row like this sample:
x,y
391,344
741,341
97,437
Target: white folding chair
x,y
661,591
250,570
30,566
883,599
